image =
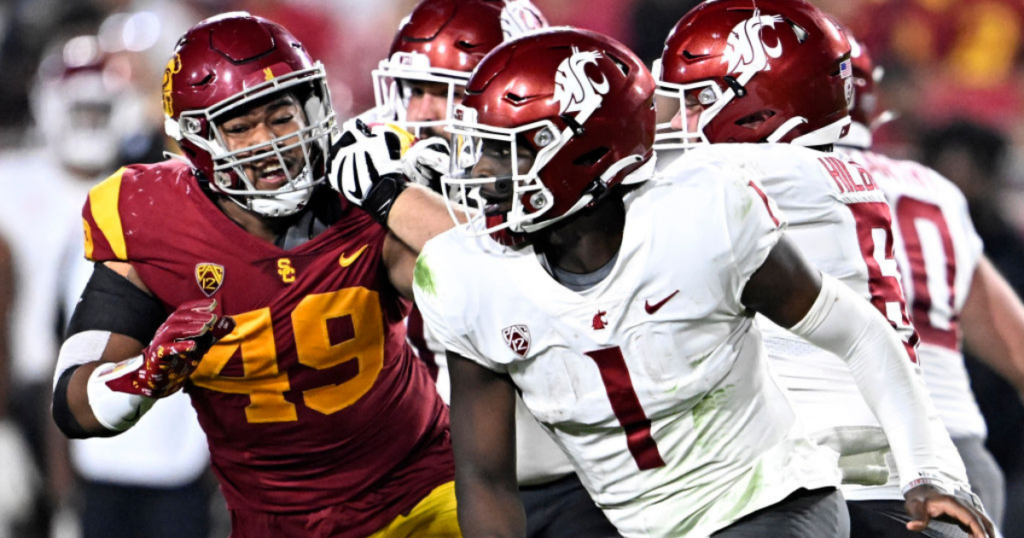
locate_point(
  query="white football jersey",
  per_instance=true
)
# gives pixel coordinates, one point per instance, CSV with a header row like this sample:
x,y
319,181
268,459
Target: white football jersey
x,y
840,220
538,458
938,251
654,381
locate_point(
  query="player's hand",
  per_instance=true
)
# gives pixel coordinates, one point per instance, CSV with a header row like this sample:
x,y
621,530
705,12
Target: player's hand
x,y
426,161
366,167
178,345
925,502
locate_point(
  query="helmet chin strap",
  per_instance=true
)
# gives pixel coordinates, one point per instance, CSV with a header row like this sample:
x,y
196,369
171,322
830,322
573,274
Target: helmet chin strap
x,y
645,172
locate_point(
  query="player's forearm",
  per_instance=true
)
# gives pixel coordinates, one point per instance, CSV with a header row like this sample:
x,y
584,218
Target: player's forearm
x,y
993,324
83,406
488,510
848,326
418,215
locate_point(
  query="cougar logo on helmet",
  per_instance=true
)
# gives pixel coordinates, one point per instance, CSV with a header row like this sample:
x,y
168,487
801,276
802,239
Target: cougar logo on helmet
x,y
747,52
574,90
517,19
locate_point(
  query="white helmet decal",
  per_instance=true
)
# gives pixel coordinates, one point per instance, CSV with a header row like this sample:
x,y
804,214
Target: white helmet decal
x,y
519,17
747,53
574,90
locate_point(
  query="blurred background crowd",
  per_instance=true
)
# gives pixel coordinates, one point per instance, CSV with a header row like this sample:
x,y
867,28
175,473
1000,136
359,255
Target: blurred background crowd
x,y
954,83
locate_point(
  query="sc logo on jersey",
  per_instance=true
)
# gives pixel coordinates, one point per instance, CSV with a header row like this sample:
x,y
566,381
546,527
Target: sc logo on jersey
x,y
285,270
518,338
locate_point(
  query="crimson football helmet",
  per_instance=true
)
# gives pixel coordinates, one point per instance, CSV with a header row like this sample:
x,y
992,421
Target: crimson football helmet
x,y
86,104
756,71
228,63
442,41
581,101
864,111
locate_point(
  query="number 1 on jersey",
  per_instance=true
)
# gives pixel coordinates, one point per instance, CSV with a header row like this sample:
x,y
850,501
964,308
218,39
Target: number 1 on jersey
x,y
626,407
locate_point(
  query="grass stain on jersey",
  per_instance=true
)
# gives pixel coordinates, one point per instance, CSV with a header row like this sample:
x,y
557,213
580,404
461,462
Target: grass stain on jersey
x,y
705,408
422,277
753,486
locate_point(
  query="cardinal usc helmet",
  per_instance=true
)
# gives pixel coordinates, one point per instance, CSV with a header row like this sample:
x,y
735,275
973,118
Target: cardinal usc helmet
x,y
227,65
581,102
865,112
441,41
755,71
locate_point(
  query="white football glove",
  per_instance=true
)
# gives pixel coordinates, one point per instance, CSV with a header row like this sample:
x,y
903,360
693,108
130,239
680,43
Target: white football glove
x,y
426,161
366,167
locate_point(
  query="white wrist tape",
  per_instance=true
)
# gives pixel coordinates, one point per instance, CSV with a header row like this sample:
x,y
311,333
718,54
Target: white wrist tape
x,y
80,348
116,411
845,324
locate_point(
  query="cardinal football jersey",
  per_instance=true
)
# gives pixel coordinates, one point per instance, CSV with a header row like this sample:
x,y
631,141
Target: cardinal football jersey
x,y
839,218
314,400
938,251
654,381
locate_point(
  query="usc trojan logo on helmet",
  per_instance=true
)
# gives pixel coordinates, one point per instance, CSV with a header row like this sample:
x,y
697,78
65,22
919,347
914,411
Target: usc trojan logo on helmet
x,y
574,90
747,53
173,67
209,276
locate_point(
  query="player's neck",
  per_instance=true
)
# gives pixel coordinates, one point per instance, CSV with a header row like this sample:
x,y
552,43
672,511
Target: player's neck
x,y
262,227
587,241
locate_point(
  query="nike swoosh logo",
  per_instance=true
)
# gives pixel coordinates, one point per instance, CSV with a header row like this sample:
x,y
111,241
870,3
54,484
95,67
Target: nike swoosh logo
x,y
346,261
358,192
652,308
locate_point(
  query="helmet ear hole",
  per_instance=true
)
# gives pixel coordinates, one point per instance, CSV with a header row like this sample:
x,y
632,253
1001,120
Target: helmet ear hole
x,y
591,157
755,120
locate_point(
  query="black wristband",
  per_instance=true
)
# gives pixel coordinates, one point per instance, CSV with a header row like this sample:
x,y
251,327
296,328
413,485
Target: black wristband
x,y
382,195
61,411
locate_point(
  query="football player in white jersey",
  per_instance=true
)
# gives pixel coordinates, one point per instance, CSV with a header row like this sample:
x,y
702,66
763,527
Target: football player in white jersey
x,y
431,57
767,71
416,88
954,291
627,326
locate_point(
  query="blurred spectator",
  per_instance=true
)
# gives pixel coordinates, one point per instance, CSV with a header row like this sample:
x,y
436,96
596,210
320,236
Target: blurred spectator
x,y
87,106
973,157
965,55
20,477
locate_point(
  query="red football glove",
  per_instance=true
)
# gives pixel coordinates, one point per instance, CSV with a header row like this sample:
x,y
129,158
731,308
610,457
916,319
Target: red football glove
x,y
175,351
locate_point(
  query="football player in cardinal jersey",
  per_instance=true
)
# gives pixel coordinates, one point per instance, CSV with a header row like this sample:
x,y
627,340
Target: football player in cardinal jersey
x,y
272,301
631,342
763,71
954,292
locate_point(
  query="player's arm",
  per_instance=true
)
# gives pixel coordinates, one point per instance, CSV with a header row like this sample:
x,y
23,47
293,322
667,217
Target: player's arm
x,y
106,378
992,320
484,442
793,294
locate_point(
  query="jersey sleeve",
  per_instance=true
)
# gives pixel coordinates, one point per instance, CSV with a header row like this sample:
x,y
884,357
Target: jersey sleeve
x,y
755,226
443,297
101,220
975,245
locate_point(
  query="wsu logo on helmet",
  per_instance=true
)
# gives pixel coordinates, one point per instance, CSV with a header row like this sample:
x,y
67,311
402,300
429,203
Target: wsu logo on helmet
x,y
574,90
519,17
747,53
